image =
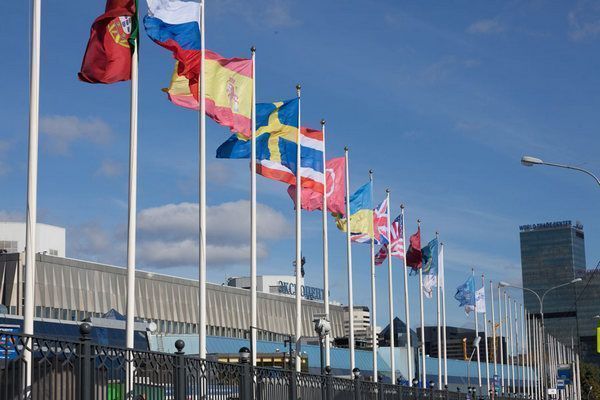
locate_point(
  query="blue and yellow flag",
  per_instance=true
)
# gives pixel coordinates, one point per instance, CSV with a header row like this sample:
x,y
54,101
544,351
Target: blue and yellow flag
x,y
276,132
361,212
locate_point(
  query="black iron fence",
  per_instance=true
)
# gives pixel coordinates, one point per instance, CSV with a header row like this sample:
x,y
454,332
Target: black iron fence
x,y
83,370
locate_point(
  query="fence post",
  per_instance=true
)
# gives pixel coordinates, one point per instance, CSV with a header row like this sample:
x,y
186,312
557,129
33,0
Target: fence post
x,y
357,385
328,385
86,388
293,384
246,374
180,387
380,390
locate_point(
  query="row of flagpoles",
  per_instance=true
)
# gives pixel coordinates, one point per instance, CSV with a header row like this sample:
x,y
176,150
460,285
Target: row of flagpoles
x,y
391,237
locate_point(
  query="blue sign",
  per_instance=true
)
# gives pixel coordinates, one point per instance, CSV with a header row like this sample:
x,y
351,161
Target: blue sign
x,y
496,381
565,374
8,347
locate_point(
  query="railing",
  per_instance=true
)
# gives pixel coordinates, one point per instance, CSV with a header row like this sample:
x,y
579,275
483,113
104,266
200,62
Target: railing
x,y
87,371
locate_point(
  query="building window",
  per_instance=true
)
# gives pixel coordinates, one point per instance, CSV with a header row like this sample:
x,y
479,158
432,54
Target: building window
x,y
53,252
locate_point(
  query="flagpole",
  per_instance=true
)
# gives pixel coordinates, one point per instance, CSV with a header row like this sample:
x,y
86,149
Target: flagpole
x,y
298,238
325,248
512,347
477,335
406,303
522,311
349,264
131,217
202,194
527,337
515,343
439,316
391,290
508,342
494,346
373,294
253,234
501,326
32,172
422,305
443,268
485,336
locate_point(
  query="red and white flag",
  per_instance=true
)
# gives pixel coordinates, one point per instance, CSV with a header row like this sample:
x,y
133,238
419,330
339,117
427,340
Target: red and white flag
x,y
335,173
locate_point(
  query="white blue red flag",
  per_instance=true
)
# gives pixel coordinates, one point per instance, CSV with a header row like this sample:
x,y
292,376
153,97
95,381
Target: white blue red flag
x,y
397,245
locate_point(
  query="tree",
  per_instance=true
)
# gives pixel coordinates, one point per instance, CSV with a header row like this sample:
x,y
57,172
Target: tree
x,y
590,377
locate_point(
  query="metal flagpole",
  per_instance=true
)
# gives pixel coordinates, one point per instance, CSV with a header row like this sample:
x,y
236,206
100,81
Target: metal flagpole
x,y
577,376
253,222
32,172
535,365
373,294
508,343
443,283
423,356
391,290
132,211
516,362
325,248
523,380
528,360
494,347
477,335
298,238
406,303
540,367
439,318
349,264
501,326
512,348
485,336
202,194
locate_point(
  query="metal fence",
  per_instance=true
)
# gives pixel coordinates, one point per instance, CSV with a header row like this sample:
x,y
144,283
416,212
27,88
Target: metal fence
x,y
89,371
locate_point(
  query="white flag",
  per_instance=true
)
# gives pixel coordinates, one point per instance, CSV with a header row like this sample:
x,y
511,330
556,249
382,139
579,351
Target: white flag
x,y
480,300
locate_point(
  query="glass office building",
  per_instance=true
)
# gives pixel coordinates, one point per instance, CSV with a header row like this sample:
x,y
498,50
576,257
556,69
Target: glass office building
x,y
553,253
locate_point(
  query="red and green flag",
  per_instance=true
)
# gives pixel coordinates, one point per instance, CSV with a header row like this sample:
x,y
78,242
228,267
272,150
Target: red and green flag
x,y
113,34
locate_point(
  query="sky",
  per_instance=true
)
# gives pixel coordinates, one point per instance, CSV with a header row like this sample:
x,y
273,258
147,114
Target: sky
x,y
440,99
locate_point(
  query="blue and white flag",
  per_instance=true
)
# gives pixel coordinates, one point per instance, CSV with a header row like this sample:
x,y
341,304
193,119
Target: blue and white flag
x,y
465,294
430,267
480,300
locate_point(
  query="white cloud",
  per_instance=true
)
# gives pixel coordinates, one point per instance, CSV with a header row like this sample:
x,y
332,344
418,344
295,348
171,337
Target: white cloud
x,y
110,168
63,130
486,27
584,21
168,235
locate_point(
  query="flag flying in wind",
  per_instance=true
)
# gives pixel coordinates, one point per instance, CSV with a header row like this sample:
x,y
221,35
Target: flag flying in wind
x,y
465,294
228,91
430,267
174,25
380,233
480,300
361,212
397,245
414,257
276,135
335,173
107,57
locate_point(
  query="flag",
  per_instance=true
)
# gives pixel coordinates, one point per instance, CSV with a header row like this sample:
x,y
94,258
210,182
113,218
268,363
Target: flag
x,y
430,267
480,300
397,245
228,91
107,57
174,25
414,257
335,173
361,212
465,294
380,233
276,135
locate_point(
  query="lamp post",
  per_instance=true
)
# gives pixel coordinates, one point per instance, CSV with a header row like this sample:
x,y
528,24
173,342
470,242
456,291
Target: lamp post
x,y
529,161
540,298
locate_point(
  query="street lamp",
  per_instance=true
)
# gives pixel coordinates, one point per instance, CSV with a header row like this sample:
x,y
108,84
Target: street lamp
x,y
529,161
540,298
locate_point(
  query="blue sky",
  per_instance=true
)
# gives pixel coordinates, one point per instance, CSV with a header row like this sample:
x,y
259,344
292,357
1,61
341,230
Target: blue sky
x,y
439,99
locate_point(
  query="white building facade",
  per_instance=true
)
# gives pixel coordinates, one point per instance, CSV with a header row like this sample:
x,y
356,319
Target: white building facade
x,y
50,239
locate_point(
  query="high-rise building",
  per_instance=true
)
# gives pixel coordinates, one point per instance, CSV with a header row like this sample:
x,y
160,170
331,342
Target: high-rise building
x,y
553,253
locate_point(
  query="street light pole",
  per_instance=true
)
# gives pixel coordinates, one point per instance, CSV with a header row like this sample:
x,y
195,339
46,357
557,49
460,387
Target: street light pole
x,y
529,161
541,301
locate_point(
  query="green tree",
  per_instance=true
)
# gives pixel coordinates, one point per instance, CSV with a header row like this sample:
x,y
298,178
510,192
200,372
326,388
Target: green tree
x,y
590,377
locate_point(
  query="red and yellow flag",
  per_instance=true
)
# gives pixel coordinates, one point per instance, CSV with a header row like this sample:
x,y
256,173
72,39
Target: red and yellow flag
x,y
228,91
